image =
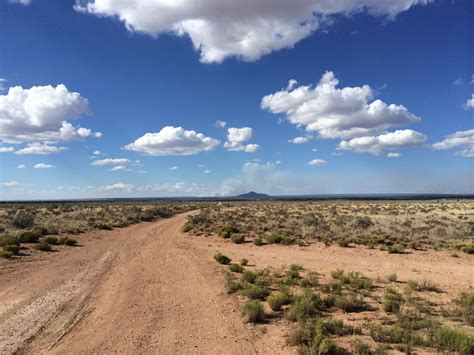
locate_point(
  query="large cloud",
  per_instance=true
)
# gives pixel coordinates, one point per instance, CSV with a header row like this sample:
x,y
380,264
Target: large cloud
x,y
173,141
236,137
41,113
463,140
336,113
377,144
245,29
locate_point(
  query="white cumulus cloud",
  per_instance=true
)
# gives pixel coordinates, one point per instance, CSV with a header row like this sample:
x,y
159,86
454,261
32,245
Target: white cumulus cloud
x,y
173,141
43,166
40,149
236,137
335,112
21,166
41,113
463,140
111,161
220,123
317,162
6,149
120,186
299,140
377,144
119,168
246,29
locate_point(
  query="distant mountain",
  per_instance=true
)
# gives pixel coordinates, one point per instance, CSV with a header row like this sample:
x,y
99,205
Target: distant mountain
x,y
252,195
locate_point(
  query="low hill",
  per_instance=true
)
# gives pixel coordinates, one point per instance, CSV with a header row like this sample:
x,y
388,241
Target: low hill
x,y
252,195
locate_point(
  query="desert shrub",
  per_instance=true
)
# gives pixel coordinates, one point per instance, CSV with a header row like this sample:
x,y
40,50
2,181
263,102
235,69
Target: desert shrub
x,y
51,240
9,240
305,306
5,254
258,241
465,304
468,249
361,348
277,299
392,335
29,236
396,249
13,248
253,312
43,246
392,277
102,225
255,292
67,241
298,335
236,268
232,284
222,259
392,301
425,285
244,262
450,339
349,303
363,222
249,277
227,231
339,328
237,238
343,242
23,219
311,280
274,238
313,338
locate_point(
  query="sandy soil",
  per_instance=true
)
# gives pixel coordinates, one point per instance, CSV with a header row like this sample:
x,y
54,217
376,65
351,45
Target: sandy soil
x,y
149,288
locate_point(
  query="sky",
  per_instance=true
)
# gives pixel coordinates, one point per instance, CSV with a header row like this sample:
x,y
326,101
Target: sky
x,y
157,98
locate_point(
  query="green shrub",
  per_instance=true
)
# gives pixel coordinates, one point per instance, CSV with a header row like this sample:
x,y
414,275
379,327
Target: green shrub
x,y
237,238
361,348
5,254
255,292
23,219
43,246
9,240
311,280
68,241
51,240
227,231
274,238
450,339
13,248
236,268
29,236
349,303
258,241
253,312
343,242
392,277
305,306
249,276
396,249
466,306
392,301
244,262
222,259
277,299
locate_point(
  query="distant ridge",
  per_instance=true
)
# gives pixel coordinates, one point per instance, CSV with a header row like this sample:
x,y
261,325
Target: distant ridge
x,y
252,195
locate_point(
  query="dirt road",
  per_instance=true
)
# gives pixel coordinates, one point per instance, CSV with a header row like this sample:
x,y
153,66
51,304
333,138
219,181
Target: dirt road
x,y
145,288
149,288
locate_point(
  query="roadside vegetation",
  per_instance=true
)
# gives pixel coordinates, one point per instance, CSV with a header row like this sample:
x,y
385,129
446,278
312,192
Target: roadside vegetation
x,y
396,227
47,226
347,312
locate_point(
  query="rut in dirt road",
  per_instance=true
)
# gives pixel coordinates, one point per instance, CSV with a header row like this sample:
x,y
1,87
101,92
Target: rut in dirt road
x,y
139,289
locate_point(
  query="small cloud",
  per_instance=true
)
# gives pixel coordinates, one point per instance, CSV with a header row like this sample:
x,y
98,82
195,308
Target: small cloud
x,y
111,161
394,155
469,103
220,123
6,149
21,2
120,186
459,81
299,140
236,137
43,166
201,166
291,84
314,150
21,166
97,152
142,172
40,149
207,171
472,80
119,168
173,168
317,162
9,184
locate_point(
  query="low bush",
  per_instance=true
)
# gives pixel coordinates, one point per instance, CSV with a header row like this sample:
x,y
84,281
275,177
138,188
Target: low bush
x,y
222,259
274,238
43,246
249,277
236,268
392,277
29,236
361,348
13,248
305,306
244,262
5,254
227,231
23,219
68,241
277,299
237,238
51,240
255,292
8,240
311,280
343,242
349,303
450,339
396,249
253,312
258,241
392,301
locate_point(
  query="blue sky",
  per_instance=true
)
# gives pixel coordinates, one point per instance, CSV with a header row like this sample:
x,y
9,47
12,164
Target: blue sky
x,y
380,98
